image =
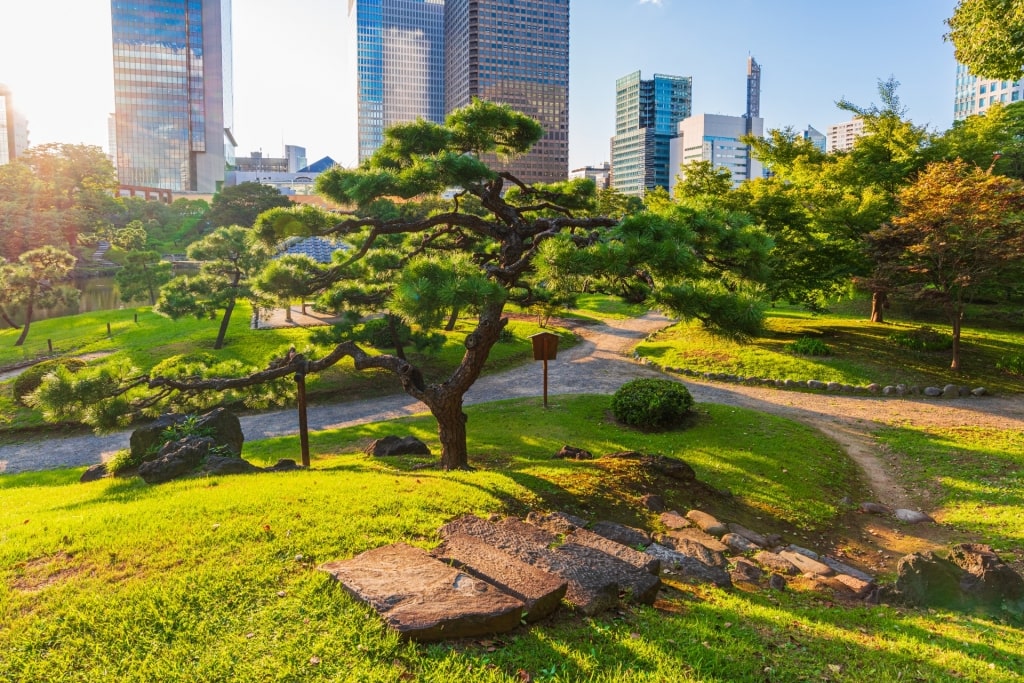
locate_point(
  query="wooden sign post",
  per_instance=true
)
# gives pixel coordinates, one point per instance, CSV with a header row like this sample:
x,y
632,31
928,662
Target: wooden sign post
x,y
545,348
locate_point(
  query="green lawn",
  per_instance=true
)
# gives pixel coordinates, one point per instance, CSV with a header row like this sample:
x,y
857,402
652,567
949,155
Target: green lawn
x,y
215,578
862,353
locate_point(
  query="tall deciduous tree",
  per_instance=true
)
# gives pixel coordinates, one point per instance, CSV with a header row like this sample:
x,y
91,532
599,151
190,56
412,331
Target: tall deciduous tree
x,y
230,258
988,36
35,281
958,229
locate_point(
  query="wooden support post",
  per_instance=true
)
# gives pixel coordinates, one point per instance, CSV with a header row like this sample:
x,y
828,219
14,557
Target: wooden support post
x,y
136,317
300,381
545,382
108,329
49,345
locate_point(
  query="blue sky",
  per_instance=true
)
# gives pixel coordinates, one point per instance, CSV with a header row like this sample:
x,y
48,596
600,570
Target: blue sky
x,y
289,59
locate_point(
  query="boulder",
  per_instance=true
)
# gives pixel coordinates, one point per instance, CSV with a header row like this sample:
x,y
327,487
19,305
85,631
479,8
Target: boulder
x,y
572,453
689,567
94,473
218,464
994,582
979,391
950,391
932,392
219,424
394,445
777,582
745,570
674,520
176,458
927,579
423,598
775,562
707,523
834,386
874,387
739,544
620,533
283,465
875,509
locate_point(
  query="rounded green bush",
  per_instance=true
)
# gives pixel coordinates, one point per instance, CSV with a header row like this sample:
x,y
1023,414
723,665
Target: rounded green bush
x,y
923,339
809,346
29,381
652,403
377,333
1013,364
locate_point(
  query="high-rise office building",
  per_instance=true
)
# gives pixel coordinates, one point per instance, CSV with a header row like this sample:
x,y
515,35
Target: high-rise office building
x,y
398,57
974,95
840,136
172,93
13,128
646,116
815,137
514,52
718,139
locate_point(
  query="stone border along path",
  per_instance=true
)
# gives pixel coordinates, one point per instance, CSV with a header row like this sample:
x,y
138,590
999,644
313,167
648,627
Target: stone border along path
x,y
598,364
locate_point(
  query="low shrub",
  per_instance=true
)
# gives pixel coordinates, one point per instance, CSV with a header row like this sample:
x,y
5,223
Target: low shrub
x,y
377,333
923,339
1012,364
652,403
29,381
506,336
809,346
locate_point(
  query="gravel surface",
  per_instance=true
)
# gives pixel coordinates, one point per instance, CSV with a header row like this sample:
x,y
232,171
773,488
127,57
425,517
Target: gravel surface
x,y
599,364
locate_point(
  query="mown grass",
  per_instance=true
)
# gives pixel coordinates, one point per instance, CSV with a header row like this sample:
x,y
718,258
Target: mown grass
x,y
862,353
215,578
154,338
976,474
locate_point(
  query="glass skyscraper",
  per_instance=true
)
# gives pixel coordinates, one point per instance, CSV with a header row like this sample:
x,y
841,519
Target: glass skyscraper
x,y
172,93
399,60
647,114
514,52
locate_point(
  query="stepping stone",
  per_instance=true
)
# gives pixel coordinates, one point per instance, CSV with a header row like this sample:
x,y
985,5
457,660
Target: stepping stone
x,y
688,566
674,520
595,578
676,536
751,536
858,587
540,591
806,565
843,568
620,533
423,598
707,523
557,522
775,562
739,544
803,551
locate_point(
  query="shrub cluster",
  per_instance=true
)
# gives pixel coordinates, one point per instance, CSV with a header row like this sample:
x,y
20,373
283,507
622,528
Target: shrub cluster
x,y
377,333
809,346
652,403
1012,364
29,381
923,339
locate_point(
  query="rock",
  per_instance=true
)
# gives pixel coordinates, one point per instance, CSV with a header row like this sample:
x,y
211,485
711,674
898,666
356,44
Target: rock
x,y
745,570
689,567
889,390
393,445
927,579
805,564
739,544
849,389
676,536
218,464
912,516
626,455
815,384
284,465
674,520
932,391
859,587
175,459
775,562
620,533
834,386
842,568
423,598
950,391
707,523
621,552
995,583
875,509
219,424
699,552
803,551
963,391
671,468
979,391
776,582
556,522
539,590
746,533
653,502
572,453
791,384
874,388
94,473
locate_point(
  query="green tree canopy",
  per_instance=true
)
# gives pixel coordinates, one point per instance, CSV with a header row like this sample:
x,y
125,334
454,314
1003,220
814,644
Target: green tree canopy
x,y
241,204
35,281
988,36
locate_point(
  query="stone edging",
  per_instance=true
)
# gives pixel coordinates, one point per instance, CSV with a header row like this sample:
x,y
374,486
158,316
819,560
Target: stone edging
x,y
898,390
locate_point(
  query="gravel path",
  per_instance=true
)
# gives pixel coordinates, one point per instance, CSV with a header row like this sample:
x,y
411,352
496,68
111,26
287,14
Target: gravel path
x,y
599,364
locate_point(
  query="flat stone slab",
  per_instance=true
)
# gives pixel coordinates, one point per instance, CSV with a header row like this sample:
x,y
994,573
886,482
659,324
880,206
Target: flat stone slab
x,y
595,578
677,536
739,544
707,523
620,533
843,568
775,562
752,536
806,564
423,598
674,520
689,567
540,591
858,587
912,516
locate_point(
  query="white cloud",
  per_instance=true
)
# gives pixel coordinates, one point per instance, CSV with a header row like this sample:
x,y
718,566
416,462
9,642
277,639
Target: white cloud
x,y
651,2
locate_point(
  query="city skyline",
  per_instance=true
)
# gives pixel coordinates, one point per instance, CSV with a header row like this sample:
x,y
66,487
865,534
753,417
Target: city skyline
x,y
812,56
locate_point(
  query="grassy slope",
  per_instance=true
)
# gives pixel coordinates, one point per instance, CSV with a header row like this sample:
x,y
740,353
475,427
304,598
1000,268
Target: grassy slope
x,y
214,579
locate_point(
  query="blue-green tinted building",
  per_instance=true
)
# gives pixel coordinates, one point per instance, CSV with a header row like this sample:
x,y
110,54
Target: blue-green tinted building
x,y
399,64
172,93
646,116
515,52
